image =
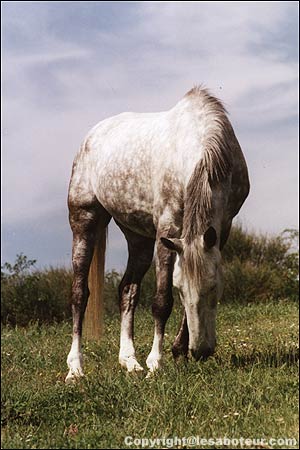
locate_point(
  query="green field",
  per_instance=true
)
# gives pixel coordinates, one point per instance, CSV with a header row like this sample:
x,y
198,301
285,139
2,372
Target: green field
x,y
248,389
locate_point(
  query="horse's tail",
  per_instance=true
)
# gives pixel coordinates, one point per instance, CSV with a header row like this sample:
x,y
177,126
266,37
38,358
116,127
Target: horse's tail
x,y
93,320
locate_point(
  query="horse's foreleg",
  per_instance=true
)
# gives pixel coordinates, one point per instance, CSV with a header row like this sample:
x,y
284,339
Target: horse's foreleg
x,y
140,258
181,342
162,304
129,296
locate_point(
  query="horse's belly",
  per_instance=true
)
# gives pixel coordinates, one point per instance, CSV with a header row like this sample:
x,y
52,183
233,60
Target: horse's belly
x,y
137,221
130,216
129,202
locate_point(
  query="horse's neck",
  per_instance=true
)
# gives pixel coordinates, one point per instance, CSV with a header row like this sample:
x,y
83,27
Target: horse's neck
x,y
177,146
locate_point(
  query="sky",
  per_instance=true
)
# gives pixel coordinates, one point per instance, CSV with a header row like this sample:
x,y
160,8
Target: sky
x,y
68,65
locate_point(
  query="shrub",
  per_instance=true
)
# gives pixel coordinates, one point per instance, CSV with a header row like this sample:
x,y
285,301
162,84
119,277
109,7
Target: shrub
x,y
111,297
33,295
256,268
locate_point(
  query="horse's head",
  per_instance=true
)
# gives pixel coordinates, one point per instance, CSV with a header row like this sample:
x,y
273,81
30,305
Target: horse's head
x,y
198,277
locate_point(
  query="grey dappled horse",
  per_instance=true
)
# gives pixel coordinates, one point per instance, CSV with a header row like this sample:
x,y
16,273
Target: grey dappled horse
x,y
175,179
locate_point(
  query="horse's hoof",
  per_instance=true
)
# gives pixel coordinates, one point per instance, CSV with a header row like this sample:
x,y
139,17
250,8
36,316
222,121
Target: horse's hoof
x,y
131,365
73,378
153,364
179,352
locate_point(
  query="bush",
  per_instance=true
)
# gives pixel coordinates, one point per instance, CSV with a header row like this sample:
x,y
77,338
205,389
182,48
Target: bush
x,y
111,296
256,269
259,268
33,295
259,249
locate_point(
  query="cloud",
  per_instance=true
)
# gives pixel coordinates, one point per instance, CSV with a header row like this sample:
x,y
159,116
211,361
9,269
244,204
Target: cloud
x,y
69,65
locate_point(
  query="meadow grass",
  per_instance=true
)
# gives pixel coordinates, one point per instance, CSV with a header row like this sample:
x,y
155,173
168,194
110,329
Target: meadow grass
x,y
248,389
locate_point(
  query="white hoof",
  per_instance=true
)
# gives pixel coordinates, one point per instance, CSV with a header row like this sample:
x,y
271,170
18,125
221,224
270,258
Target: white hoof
x,y
131,364
72,376
75,366
153,364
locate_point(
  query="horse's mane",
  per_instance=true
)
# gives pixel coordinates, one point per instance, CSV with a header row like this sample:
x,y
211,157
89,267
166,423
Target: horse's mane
x,y
213,168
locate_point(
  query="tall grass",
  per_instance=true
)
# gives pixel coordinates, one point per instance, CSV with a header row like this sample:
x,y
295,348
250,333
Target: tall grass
x,y
249,388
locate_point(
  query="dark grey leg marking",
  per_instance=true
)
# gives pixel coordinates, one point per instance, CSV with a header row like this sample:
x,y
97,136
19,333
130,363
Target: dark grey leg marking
x,y
86,222
162,304
181,343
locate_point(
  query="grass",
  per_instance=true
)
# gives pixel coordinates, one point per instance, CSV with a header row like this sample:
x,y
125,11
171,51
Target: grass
x,y
248,389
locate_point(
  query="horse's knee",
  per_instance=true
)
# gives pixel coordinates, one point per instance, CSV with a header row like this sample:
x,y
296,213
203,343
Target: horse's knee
x,y
129,288
128,296
162,307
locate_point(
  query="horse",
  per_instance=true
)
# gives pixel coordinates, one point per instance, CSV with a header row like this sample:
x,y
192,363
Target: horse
x,y
171,180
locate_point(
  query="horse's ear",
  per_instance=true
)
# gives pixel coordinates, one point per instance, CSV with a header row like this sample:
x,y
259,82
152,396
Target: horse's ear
x,y
210,238
172,244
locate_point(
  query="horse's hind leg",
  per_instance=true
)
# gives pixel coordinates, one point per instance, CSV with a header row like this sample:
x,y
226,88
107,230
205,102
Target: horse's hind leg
x,y
86,221
140,257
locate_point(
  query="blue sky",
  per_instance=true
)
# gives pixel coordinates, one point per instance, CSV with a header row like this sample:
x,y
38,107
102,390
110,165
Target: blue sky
x,y
68,65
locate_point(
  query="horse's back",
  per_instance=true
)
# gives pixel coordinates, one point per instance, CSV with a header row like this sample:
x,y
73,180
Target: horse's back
x,y
126,135
120,155
138,165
